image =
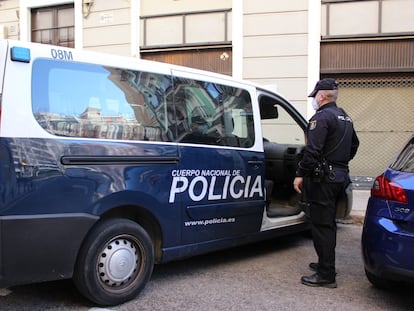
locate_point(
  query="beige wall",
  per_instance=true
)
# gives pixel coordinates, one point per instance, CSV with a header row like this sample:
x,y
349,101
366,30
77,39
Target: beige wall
x,y
9,22
276,36
161,7
108,27
275,53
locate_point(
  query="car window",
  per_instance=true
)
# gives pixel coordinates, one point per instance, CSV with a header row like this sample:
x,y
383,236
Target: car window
x,y
213,114
405,160
278,122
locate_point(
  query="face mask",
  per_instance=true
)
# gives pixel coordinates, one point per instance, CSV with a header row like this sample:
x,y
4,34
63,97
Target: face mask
x,y
315,105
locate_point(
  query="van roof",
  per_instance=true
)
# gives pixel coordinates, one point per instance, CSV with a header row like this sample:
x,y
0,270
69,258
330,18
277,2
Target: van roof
x,y
44,50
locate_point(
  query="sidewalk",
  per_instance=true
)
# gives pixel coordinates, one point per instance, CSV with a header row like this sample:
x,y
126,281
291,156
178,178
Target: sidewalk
x,y
359,205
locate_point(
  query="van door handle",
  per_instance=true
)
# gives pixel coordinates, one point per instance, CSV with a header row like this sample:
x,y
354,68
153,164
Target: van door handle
x,y
255,162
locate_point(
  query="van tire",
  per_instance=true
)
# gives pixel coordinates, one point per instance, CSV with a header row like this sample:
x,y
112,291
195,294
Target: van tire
x,y
115,262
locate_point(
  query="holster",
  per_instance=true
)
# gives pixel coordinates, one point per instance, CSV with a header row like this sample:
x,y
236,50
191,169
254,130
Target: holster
x,y
324,172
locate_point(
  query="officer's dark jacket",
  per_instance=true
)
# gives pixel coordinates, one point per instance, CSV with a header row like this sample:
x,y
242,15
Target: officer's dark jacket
x,y
330,134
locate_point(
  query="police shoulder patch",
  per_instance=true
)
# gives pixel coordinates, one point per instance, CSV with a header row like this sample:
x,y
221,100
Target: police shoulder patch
x,y
312,124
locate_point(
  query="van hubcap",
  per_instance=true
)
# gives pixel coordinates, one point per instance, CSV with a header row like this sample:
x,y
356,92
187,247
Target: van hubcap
x,y
118,262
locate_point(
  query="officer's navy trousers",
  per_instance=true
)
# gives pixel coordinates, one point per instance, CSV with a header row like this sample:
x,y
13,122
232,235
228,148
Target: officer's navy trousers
x,y
322,201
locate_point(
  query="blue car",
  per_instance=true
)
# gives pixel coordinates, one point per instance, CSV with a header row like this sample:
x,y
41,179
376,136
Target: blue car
x,y
388,232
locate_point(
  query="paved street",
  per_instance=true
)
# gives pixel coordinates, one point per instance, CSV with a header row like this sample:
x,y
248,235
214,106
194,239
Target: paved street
x,y
263,276
266,277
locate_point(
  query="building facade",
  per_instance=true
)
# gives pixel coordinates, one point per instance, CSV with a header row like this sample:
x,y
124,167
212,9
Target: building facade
x,y
367,45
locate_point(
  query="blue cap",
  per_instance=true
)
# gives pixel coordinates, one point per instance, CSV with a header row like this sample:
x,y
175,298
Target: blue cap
x,y
324,84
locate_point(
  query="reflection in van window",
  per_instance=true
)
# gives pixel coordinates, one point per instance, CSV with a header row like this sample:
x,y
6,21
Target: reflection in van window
x,y
93,101
213,114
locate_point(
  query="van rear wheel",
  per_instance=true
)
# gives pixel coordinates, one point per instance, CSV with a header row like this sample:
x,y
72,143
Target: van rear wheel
x,y
115,262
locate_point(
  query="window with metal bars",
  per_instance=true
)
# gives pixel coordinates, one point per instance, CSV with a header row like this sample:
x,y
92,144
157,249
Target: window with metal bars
x,y
54,25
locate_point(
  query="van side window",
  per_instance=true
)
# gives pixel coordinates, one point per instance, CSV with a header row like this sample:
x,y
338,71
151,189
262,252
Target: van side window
x,y
93,101
212,114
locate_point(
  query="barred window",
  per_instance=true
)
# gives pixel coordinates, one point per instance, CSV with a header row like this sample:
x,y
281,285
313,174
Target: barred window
x,y
54,25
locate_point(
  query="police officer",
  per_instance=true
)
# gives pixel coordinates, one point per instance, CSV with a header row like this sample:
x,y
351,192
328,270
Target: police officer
x,y
323,174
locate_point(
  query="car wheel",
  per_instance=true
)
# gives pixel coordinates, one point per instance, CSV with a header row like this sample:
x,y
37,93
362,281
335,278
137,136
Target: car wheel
x,y
379,282
115,262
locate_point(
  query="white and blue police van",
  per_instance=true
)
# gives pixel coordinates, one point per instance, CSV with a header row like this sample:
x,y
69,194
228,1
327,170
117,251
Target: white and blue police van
x,y
110,165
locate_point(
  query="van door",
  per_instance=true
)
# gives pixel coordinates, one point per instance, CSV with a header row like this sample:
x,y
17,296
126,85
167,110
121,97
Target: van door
x,y
283,129
219,180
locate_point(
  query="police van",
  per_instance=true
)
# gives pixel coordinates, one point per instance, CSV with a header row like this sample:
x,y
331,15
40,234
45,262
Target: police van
x,y
110,165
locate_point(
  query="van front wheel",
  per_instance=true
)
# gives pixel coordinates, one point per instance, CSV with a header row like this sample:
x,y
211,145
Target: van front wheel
x,y
115,262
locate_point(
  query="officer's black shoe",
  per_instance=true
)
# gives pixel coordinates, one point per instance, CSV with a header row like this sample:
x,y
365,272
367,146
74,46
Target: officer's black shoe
x,y
316,280
314,266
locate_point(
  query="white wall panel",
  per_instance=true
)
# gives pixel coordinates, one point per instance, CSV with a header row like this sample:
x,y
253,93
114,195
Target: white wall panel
x,y
397,16
353,18
205,28
164,31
